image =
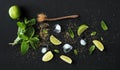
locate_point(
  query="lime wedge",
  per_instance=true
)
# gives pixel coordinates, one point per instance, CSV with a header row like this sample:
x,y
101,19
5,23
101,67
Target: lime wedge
x,y
99,45
81,29
47,57
66,59
54,40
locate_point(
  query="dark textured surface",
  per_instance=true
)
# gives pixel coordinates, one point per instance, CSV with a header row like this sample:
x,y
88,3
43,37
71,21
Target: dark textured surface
x,y
91,12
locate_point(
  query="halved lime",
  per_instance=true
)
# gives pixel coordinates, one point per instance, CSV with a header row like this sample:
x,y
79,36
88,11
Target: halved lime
x,y
14,12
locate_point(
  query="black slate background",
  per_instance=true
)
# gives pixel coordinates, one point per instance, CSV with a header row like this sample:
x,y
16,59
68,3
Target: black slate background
x,y
91,12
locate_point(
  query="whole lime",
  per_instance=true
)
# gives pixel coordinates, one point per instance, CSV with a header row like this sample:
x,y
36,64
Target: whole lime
x,y
14,12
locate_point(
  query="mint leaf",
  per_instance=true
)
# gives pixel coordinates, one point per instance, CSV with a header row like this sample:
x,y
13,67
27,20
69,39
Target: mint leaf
x,y
21,25
101,38
32,45
91,49
30,32
20,31
75,51
24,47
21,34
93,33
30,22
71,33
56,51
34,42
35,39
26,21
103,25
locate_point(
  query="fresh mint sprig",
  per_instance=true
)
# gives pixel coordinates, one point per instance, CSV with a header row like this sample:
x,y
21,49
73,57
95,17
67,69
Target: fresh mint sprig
x,y
26,35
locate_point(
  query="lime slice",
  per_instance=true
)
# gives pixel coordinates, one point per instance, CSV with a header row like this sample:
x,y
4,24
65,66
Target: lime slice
x,y
81,29
54,40
14,12
47,57
66,59
99,45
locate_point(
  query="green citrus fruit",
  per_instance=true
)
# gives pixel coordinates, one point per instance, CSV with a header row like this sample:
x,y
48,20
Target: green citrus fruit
x,y
81,29
66,59
48,56
14,12
99,45
54,40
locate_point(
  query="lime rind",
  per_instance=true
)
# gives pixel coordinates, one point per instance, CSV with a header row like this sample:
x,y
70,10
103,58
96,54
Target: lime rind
x,y
99,45
81,29
54,40
48,56
14,12
66,59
